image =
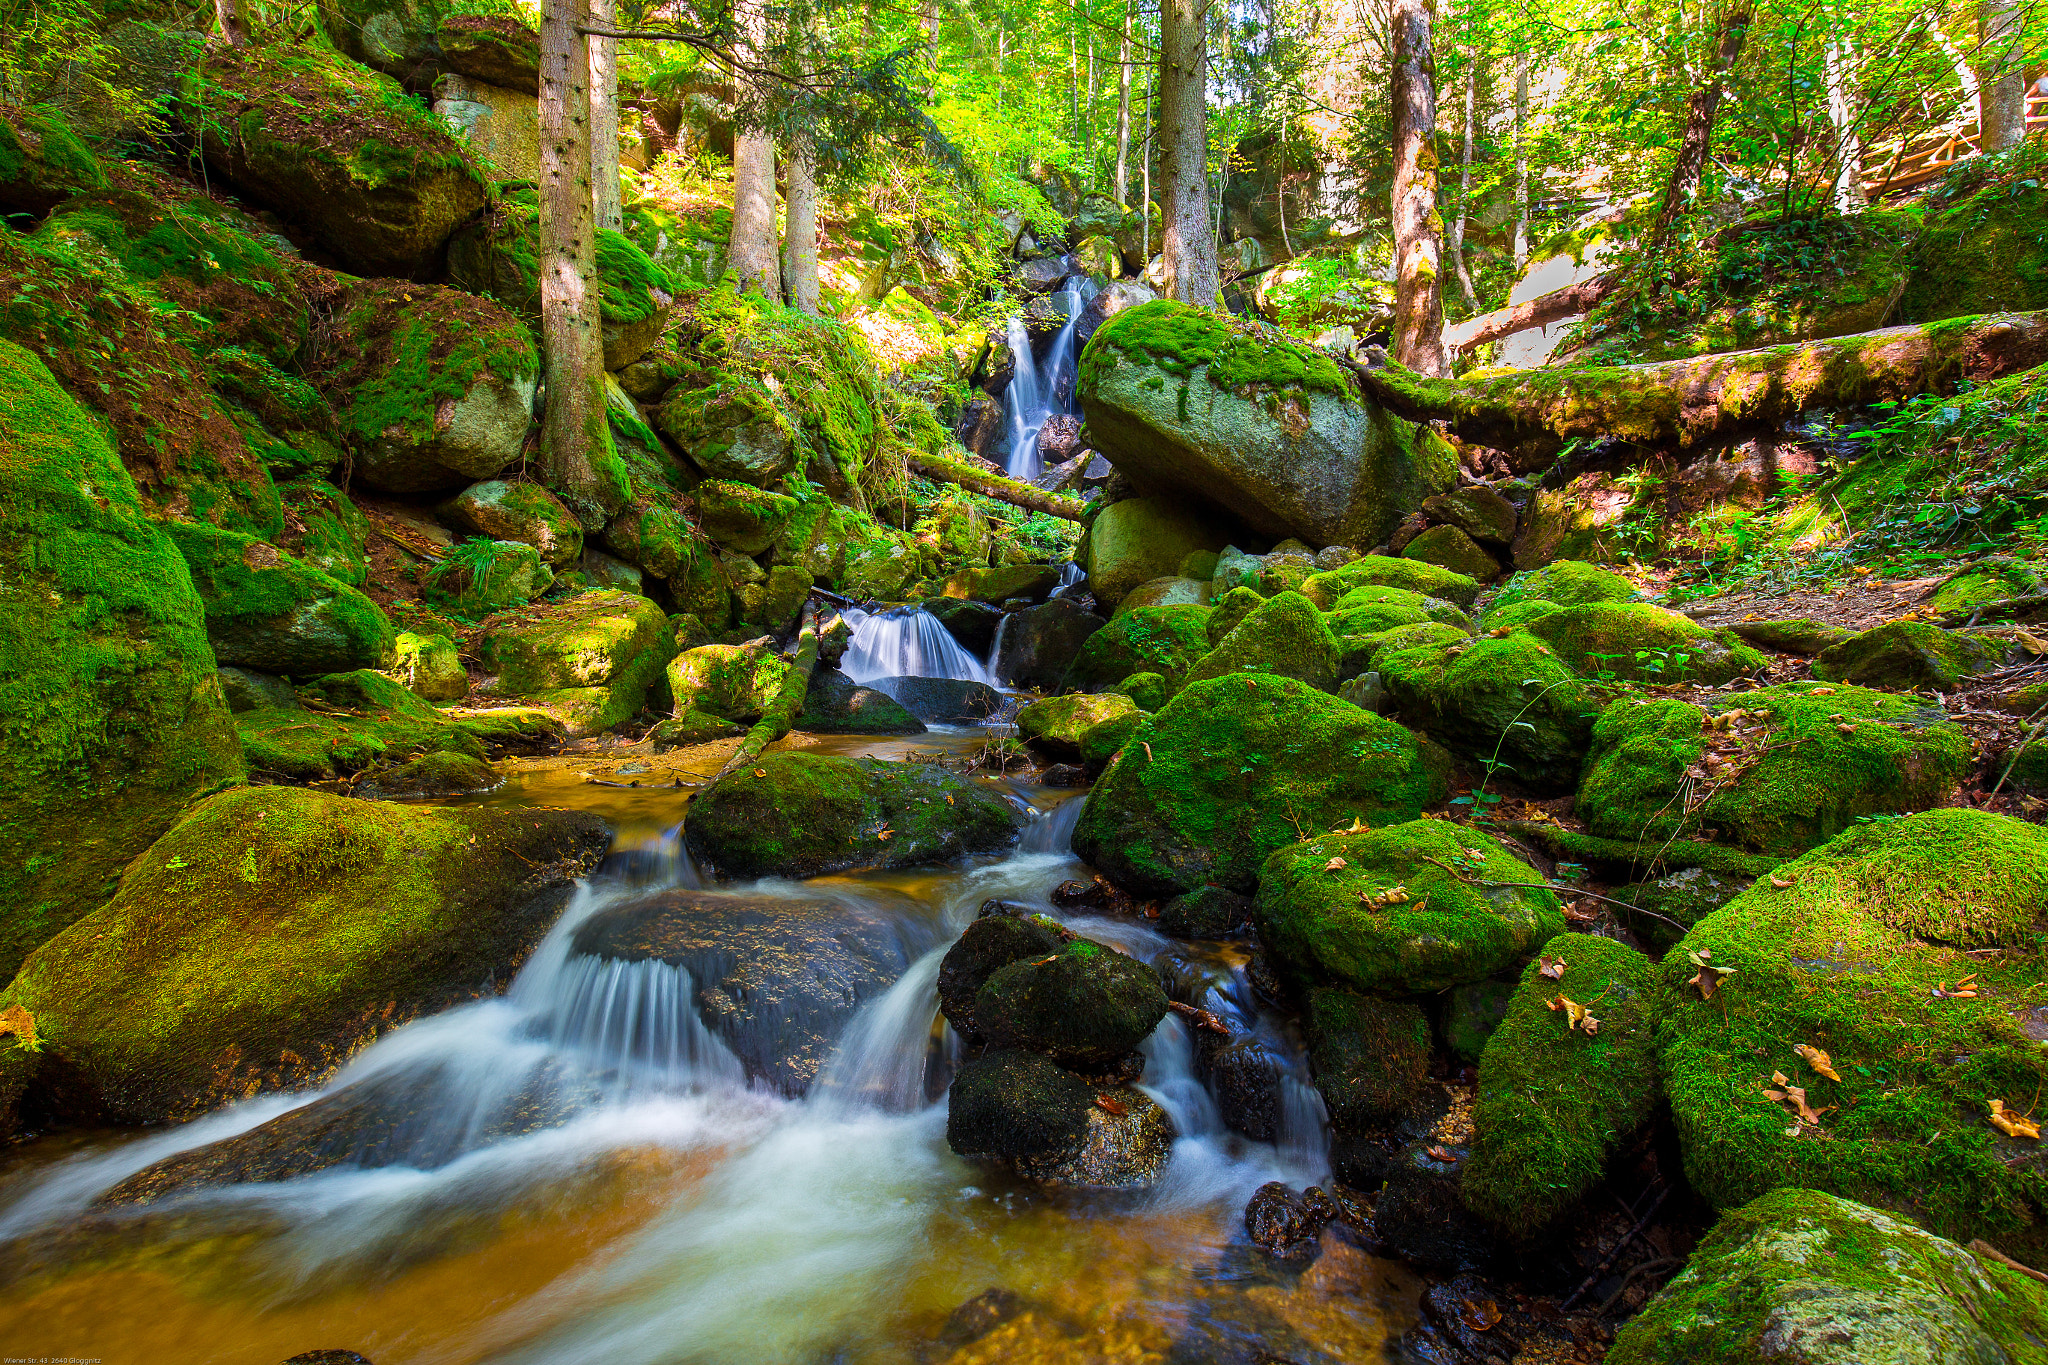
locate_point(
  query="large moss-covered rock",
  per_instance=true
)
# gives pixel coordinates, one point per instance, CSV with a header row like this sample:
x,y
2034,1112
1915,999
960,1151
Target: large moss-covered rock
x,y
396,37
364,720
433,387
1778,770
1641,643
325,530
1017,1105
1038,644
429,666
1450,548
1085,1006
1236,767
1137,540
1862,949
42,162
991,943
486,576
1060,726
347,919
1383,571
1502,702
1908,655
1568,583
800,814
113,714
727,682
1265,430
1166,641
1403,909
835,704
1285,636
1554,1101
266,610
525,512
376,178
1370,1056
1807,1278
590,640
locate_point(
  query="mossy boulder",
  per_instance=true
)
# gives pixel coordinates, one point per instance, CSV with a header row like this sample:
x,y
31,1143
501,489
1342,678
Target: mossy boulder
x,y
1450,548
729,682
1209,912
365,719
1777,770
1039,644
1003,582
1370,1056
589,640
1137,540
1266,430
1801,635
487,576
1641,643
1149,691
525,512
325,530
266,610
1477,510
835,704
1166,641
376,178
1861,949
1568,583
1085,1006
1286,637
429,666
1384,571
1061,726
42,162
1360,650
1234,768
1165,592
348,919
1230,609
1800,1275
1554,1102
800,814
1404,909
991,943
1987,580
496,49
396,37
1907,656
113,712
1017,1105
434,388
1505,702
1371,607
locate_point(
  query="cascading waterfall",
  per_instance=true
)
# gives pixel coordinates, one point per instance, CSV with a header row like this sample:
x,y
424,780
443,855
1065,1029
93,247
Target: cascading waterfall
x,y
907,642
1042,388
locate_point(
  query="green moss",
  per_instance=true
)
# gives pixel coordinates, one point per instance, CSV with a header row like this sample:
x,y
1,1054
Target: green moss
x,y
500,258
1236,767
1517,614
1166,641
1382,571
1983,250
1082,1006
366,719
733,682
480,577
1623,859
1230,609
1505,702
588,640
1786,776
1908,655
109,702
1061,725
1370,1056
1149,691
1565,582
268,611
1554,1103
1642,643
1987,580
1412,907
1850,956
1241,358
1285,636
405,349
1451,548
42,162
349,918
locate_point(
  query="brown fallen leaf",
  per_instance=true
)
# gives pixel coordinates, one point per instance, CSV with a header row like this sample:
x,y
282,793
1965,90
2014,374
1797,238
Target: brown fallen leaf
x,y
760,772
1552,967
1335,865
1479,1314
1818,1060
1110,1106
885,833
1780,882
1794,1095
2030,642
1966,989
16,1020
1709,977
2013,1125
1577,1016
1439,1154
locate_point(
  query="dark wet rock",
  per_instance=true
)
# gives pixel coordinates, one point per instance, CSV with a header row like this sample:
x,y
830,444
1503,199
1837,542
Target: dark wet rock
x,y
1477,510
1003,583
1673,903
1065,775
943,701
981,427
1288,1225
990,944
1018,1105
777,978
328,1358
970,622
1907,656
1059,440
797,814
979,1316
1207,912
1419,1216
837,705
1043,275
1249,1081
1085,1006
1370,1056
1095,894
1128,1139
441,774
1472,1013
1038,643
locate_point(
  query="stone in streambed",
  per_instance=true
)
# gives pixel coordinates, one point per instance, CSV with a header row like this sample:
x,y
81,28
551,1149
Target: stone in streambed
x,y
1207,912
991,943
998,585
798,814
837,705
1085,1006
1370,1057
970,622
594,639
1166,641
776,978
1127,1142
1140,539
943,701
1062,727
1035,646
1018,1105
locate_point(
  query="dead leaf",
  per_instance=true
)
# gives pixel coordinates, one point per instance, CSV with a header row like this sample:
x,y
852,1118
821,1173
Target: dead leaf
x,y
1822,692
2030,642
760,772
2013,1125
16,1020
1818,1060
1709,977
1479,1314
1577,1016
1788,1093
1357,826
1846,729
1780,882
1109,1106
1966,989
1439,1154
885,833
1552,967
1335,865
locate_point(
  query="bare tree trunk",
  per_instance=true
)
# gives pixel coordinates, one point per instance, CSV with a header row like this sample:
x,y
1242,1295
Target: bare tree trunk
x,y
1966,77
575,433
1521,160
1456,245
604,121
1838,60
1088,112
1190,245
228,14
1145,161
800,235
2004,83
1701,110
1418,264
1123,113
1541,311
752,256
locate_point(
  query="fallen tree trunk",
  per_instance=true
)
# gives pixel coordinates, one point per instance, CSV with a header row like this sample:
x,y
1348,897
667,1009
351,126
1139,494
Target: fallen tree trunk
x,y
1541,311
995,486
780,717
1685,404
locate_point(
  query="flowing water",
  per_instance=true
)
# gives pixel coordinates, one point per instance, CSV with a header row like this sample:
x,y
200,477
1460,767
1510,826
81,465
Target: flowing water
x,y
1042,388
669,1212
906,642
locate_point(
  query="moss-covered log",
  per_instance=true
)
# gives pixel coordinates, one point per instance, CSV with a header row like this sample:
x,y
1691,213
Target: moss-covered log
x,y
781,713
995,486
1689,403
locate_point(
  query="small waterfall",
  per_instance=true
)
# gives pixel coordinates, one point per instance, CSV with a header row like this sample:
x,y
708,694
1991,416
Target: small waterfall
x,y
1042,388
880,1062
1171,1079
636,1024
1053,831
908,642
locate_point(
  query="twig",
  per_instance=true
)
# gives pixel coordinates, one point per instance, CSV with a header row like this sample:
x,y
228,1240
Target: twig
x,y
1992,1253
1594,1277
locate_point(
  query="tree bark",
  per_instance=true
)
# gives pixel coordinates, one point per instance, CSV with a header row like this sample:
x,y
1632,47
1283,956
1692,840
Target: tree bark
x,y
1521,160
575,432
1537,312
751,256
1189,245
1418,248
228,14
2002,82
1686,404
604,122
1838,60
1024,495
1701,110
1123,114
800,234
1456,245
